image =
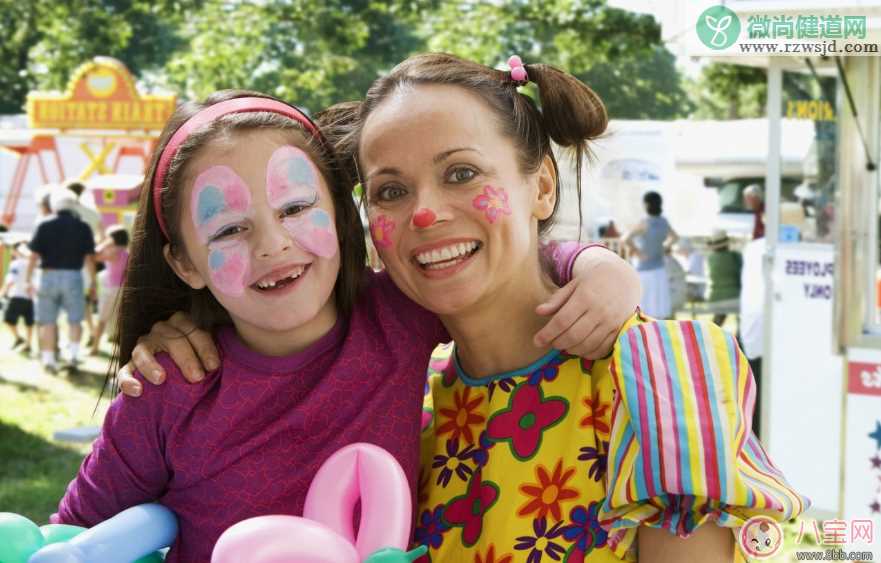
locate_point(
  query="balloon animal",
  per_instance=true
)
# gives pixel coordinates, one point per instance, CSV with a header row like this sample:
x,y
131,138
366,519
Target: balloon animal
x,y
325,534
132,535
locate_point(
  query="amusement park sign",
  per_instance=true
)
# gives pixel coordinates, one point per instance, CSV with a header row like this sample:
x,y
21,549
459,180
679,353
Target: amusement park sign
x,y
100,95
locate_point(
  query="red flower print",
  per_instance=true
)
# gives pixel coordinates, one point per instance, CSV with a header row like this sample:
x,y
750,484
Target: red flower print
x,y
467,511
547,494
596,410
461,417
493,202
528,415
381,229
490,556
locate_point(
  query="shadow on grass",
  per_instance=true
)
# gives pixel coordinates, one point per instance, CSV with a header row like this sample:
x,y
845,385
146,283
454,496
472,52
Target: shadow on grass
x,y
34,473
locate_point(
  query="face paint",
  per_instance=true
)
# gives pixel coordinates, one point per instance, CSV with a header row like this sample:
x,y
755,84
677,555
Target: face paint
x,y
381,229
424,218
220,199
292,180
493,202
290,175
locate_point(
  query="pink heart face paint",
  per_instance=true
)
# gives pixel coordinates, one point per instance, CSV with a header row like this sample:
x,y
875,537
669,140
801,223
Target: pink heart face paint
x,y
291,183
381,229
219,202
493,202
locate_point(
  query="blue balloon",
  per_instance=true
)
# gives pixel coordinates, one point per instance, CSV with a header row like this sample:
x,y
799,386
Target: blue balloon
x,y
133,533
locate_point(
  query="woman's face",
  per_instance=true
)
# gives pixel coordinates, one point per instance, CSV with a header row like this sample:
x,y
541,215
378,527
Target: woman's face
x,y
258,229
453,217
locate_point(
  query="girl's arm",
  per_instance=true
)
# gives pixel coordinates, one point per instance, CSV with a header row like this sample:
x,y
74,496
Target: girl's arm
x,y
126,466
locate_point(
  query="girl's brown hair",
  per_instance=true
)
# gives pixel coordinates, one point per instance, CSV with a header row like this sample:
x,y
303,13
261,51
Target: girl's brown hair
x,y
571,114
151,291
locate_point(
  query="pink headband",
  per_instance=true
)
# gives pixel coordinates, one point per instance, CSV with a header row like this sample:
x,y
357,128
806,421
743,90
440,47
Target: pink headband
x,y
207,115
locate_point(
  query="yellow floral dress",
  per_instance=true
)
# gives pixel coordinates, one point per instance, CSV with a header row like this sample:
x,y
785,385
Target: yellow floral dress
x,y
562,460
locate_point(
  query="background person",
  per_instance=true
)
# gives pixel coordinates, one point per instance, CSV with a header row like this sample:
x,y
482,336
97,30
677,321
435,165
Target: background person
x,y
62,243
113,252
21,303
649,242
754,200
723,271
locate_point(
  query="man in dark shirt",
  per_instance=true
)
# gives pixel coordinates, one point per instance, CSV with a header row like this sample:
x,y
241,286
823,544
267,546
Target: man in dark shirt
x,y
62,243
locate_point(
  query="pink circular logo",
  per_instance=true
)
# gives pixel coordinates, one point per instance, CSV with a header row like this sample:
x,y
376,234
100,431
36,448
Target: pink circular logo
x,y
760,538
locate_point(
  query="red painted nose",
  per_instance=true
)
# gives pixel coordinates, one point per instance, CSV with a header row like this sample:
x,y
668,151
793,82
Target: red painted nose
x,y
424,218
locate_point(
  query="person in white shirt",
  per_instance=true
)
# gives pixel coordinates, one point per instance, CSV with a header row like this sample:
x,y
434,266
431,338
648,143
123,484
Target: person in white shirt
x,y
21,303
752,316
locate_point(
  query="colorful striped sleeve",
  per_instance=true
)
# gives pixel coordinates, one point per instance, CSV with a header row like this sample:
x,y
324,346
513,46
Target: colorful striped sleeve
x,y
682,452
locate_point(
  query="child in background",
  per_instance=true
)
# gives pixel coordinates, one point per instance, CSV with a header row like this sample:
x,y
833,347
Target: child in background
x,y
21,303
248,225
113,252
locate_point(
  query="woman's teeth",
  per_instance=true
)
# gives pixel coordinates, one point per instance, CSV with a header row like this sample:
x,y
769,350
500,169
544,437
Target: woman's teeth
x,y
440,257
271,283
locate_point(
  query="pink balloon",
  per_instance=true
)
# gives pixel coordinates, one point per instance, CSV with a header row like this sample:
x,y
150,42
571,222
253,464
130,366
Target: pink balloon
x,y
282,539
325,532
372,474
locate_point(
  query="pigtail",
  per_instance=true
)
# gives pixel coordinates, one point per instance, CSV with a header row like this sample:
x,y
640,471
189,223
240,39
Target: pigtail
x,y
572,115
339,125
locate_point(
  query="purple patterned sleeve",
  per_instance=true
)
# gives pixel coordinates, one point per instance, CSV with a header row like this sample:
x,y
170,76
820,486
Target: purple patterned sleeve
x,y
126,465
561,256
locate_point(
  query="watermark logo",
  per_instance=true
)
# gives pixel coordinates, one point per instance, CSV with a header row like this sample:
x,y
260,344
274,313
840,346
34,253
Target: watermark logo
x,y
760,538
718,27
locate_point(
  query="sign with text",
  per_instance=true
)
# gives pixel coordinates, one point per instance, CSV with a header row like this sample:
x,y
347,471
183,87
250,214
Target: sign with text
x,y
100,95
864,378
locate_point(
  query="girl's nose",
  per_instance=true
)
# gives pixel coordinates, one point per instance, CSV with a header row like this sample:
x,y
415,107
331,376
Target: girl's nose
x,y
273,240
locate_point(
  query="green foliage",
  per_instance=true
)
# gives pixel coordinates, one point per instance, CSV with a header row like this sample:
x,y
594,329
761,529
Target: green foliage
x,y
316,52
725,91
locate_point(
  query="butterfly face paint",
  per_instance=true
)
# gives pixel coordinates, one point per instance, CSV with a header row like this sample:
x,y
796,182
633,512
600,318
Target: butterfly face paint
x,y
493,202
291,183
219,202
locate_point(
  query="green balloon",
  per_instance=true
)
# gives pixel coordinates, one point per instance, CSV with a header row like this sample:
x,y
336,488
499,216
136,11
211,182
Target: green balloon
x,y
19,538
395,555
155,557
57,533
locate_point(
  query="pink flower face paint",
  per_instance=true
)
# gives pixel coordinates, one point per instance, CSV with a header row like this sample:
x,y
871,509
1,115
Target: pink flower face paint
x,y
381,229
493,202
292,180
220,200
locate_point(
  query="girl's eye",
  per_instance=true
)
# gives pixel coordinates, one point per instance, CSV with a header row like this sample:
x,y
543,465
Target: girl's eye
x,y
294,209
226,232
461,174
390,193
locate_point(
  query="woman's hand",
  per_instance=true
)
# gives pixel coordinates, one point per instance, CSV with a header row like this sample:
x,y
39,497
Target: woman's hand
x,y
189,347
589,311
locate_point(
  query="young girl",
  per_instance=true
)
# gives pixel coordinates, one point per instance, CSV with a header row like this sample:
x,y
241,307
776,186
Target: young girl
x,y
245,223
113,252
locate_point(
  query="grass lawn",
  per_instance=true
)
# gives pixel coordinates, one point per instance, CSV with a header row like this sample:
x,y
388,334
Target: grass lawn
x,y
34,468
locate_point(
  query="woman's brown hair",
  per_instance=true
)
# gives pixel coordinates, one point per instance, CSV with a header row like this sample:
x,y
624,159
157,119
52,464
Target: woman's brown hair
x,y
571,114
151,291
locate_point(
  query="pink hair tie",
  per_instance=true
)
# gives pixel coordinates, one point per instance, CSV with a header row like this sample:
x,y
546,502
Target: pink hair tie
x,y
206,116
518,71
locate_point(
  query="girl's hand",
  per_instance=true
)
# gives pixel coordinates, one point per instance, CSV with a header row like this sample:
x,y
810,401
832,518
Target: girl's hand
x,y
590,310
190,348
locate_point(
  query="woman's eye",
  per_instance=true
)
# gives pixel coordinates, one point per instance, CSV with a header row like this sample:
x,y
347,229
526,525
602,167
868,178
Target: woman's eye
x,y
461,175
390,193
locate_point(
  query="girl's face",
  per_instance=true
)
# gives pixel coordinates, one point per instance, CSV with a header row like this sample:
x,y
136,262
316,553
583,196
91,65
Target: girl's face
x,y
259,232
451,214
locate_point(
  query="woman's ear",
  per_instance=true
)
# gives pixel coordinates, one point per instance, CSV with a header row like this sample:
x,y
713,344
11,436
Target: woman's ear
x,y
547,190
183,268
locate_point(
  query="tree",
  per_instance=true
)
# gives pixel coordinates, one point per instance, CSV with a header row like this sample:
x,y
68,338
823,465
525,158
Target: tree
x,y
726,91
618,53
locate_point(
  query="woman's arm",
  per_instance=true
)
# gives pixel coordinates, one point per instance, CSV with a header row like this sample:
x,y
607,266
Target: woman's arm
x,y
709,544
